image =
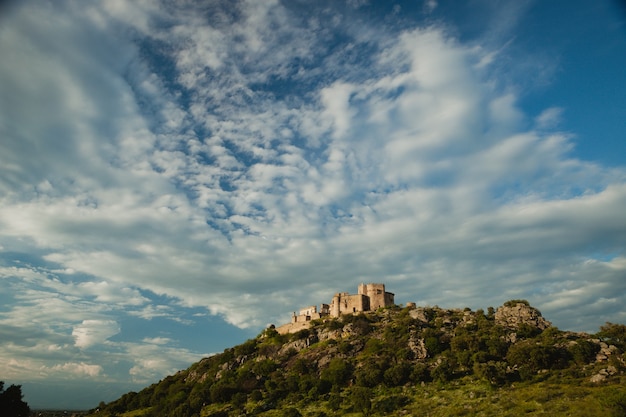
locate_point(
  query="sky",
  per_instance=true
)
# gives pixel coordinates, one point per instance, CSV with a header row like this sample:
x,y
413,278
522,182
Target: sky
x,y
177,175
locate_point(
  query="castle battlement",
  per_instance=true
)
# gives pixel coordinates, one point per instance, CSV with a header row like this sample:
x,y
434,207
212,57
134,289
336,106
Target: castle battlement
x,y
369,297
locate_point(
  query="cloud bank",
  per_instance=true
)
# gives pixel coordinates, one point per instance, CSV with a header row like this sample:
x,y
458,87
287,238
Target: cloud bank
x,y
242,161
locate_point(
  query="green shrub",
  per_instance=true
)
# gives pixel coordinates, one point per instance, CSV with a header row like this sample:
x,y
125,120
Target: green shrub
x,y
493,372
291,412
369,374
614,334
530,357
513,303
397,375
339,371
361,399
615,401
583,351
388,405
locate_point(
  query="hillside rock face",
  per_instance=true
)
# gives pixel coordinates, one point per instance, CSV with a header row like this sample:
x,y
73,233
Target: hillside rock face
x,y
514,314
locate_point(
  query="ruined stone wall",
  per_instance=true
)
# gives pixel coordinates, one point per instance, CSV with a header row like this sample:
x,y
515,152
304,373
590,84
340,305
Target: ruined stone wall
x,y
390,299
344,303
293,327
308,311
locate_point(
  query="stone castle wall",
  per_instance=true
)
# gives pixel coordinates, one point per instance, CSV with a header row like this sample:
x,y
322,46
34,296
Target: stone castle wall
x,y
377,295
369,297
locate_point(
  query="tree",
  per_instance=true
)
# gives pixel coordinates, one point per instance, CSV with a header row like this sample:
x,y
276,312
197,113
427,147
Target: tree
x,y
11,404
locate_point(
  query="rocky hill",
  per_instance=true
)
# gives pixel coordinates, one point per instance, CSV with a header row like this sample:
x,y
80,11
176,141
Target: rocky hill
x,y
402,361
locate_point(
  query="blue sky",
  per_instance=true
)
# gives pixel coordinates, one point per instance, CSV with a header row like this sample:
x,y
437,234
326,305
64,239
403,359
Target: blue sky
x,y
174,176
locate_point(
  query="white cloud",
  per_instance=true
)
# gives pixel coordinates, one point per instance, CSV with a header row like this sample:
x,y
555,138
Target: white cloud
x,y
94,332
157,340
153,361
430,5
549,118
78,369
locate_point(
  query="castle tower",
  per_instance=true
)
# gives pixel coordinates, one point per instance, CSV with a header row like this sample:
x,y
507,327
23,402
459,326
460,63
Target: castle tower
x,y
334,305
377,295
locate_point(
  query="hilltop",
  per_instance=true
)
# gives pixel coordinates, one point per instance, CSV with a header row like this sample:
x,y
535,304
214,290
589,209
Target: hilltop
x,y
402,361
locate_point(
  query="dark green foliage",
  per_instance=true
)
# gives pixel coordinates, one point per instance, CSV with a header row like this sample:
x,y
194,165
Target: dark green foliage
x,y
11,403
434,342
360,323
420,373
583,351
338,373
369,374
222,392
442,372
615,401
302,334
494,372
361,399
344,347
264,367
291,412
614,334
526,331
397,374
512,303
246,348
219,413
390,404
334,401
334,324
303,366
530,357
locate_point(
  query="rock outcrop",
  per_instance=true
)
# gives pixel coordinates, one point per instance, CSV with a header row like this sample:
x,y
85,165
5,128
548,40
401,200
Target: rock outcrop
x,y
513,314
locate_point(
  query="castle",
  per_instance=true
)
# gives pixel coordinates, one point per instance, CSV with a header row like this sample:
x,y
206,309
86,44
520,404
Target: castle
x,y
369,297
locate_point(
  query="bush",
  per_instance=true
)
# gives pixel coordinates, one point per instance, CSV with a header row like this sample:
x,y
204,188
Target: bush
x,y
291,412
339,371
513,303
443,372
222,393
615,400
334,401
531,357
494,372
390,404
397,375
420,373
246,348
369,375
584,351
301,334
361,399
614,334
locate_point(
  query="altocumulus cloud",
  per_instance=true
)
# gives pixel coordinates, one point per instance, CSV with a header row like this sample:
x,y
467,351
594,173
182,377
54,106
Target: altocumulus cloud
x,y
176,163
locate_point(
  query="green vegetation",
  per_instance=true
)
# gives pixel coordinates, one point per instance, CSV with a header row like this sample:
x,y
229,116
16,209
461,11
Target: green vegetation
x,y
399,361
